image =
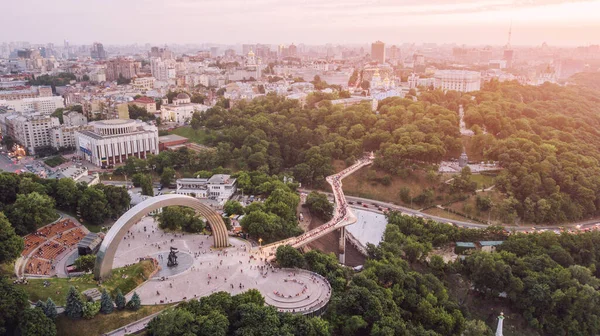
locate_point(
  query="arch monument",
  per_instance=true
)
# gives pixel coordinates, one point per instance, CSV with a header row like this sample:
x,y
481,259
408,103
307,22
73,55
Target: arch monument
x,y
108,248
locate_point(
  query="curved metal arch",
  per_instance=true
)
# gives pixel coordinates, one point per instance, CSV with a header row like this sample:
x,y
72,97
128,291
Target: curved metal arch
x,y
108,248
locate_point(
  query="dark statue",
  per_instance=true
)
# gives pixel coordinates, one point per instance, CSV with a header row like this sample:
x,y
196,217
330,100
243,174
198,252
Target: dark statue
x,y
172,261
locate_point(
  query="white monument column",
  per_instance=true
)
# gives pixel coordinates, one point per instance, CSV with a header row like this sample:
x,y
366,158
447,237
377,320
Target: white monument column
x,y
500,324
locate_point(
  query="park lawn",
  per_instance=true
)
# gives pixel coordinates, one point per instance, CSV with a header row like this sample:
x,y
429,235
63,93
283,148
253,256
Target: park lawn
x,y
125,278
196,136
101,323
58,288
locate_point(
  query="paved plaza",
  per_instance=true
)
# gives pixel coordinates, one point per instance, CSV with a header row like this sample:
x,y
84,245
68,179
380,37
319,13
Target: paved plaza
x,y
205,271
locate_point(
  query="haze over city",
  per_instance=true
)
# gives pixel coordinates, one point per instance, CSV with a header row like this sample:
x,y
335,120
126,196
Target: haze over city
x,y
300,168
556,22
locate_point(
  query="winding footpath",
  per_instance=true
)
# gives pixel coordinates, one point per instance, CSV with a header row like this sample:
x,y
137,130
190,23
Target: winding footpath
x,y
342,217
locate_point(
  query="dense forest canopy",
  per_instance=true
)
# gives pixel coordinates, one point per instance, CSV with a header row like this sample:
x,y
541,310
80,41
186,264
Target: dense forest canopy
x,y
271,134
547,139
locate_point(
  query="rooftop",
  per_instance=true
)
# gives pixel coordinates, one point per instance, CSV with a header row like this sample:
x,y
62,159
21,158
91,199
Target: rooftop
x,y
170,138
221,179
144,100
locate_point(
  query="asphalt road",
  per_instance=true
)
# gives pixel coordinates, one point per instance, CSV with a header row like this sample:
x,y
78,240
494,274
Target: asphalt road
x,y
581,224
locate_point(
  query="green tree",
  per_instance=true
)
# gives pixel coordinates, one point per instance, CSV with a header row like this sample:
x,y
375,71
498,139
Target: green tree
x,y
146,184
167,176
93,206
180,218
90,309
74,306
28,185
9,186
67,194
173,322
405,195
135,302
106,303
31,211
120,300
11,244
58,113
288,256
233,208
117,197
50,309
483,203
13,301
85,263
35,323
477,328
319,205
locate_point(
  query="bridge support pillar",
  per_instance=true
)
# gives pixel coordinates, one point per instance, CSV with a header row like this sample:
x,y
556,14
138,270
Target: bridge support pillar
x,y
342,245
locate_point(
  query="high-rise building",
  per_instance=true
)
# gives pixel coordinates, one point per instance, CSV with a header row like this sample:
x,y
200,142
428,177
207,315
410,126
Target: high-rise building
x,y
395,53
97,52
378,52
163,53
121,67
293,50
162,70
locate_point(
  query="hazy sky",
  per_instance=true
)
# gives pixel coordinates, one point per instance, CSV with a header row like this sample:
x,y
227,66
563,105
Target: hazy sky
x,y
557,22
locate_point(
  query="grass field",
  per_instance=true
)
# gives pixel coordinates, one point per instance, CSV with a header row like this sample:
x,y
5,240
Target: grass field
x,y
126,279
197,136
101,323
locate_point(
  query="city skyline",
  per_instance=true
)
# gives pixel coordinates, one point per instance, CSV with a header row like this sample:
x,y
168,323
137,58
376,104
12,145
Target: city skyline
x,y
556,22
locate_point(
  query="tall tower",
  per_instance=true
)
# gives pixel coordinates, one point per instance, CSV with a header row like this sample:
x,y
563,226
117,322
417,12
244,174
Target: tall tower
x,y
508,51
378,52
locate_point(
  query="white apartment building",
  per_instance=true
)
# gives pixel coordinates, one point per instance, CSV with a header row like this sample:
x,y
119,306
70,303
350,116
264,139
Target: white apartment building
x,y
74,118
457,80
44,105
162,70
219,187
143,83
63,136
32,131
111,142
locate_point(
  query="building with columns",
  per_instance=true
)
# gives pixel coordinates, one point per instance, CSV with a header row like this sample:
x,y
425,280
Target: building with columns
x,y
111,142
457,80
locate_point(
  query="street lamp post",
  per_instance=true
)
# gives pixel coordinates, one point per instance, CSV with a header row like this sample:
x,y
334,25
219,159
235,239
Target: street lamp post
x,y
260,242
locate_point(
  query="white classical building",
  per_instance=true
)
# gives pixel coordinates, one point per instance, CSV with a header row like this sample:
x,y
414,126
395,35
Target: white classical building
x,y
457,80
219,187
113,141
181,110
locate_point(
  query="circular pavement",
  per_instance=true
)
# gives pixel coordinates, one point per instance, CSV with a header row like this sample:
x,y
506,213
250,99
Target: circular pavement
x,y
234,269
